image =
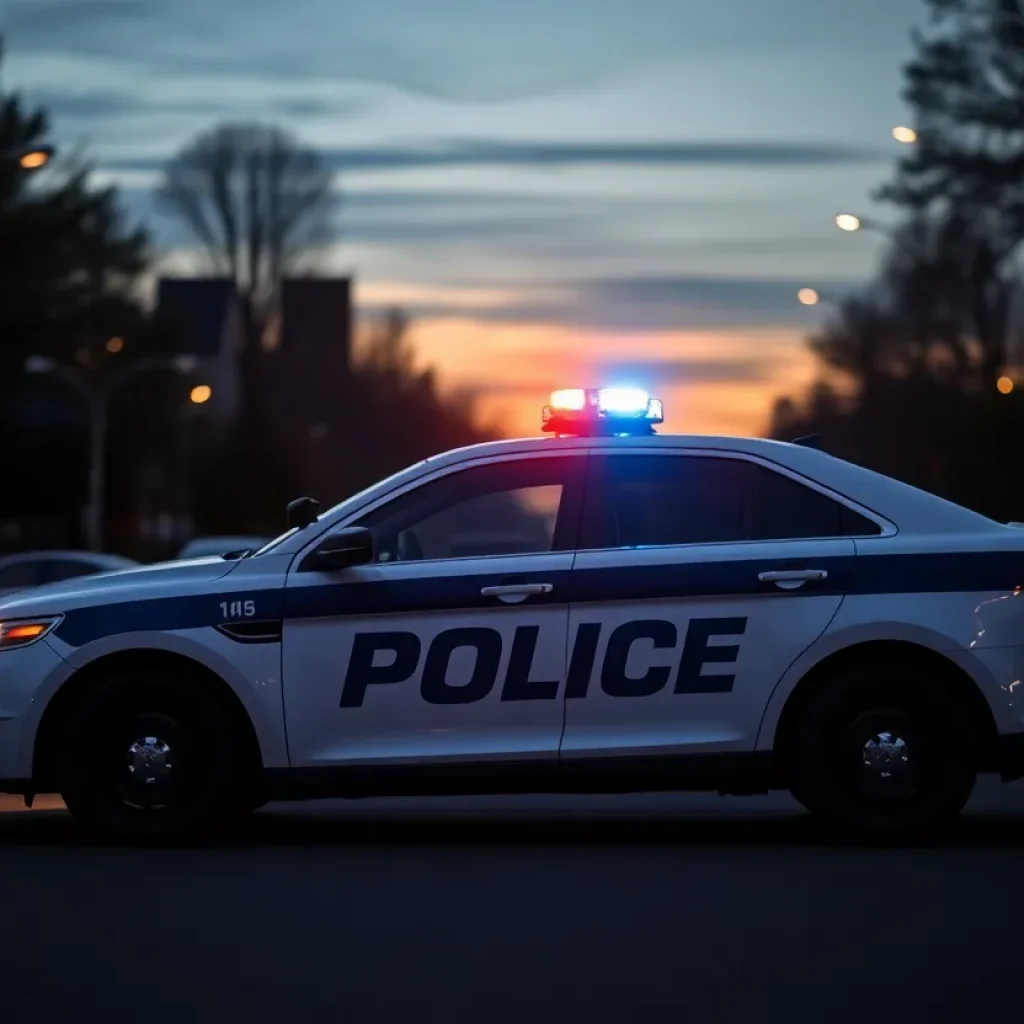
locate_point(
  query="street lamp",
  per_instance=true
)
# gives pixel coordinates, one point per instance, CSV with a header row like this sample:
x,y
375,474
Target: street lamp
x,y
97,398
850,223
29,158
815,297
903,134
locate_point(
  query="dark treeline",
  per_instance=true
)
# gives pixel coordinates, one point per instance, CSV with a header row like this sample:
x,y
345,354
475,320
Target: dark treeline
x,y
919,372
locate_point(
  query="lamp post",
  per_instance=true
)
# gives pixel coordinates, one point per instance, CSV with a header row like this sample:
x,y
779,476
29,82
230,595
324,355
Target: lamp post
x,y
97,398
815,297
28,158
852,223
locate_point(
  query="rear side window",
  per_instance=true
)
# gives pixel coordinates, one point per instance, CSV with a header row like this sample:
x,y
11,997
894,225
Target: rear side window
x,y
656,500
784,509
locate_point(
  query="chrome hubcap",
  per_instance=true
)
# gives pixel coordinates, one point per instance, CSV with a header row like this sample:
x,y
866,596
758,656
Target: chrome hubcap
x,y
885,755
149,760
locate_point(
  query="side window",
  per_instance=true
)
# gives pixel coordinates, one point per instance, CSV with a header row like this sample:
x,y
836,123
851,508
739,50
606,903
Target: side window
x,y
788,510
507,508
655,500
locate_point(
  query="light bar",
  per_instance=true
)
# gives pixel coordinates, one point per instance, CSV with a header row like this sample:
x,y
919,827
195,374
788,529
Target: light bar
x,y
623,401
570,400
608,411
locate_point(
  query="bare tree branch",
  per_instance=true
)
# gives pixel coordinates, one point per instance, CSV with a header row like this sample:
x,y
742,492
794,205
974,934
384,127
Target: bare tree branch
x,y
255,200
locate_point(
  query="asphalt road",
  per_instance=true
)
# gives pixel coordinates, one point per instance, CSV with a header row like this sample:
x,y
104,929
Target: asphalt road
x,y
637,909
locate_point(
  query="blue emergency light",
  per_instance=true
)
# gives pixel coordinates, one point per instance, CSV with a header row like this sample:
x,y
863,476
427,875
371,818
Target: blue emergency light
x,y
606,412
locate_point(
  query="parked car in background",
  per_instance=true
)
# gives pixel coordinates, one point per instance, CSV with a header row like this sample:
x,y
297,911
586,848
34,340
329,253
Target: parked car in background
x,y
34,568
204,547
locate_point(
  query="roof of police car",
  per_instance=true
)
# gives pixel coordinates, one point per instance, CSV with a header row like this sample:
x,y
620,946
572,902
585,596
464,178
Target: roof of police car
x,y
906,506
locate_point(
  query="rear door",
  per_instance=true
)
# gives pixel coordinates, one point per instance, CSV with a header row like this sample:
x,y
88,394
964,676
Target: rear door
x,y
701,578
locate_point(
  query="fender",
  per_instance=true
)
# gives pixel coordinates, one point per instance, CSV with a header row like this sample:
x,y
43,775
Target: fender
x,y
830,643
256,683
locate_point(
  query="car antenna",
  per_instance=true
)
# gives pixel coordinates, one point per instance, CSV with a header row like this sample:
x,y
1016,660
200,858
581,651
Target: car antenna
x,y
302,512
809,441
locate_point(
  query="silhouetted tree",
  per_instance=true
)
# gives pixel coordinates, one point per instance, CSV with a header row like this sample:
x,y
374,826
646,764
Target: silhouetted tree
x,y
966,170
909,369
68,261
69,266
258,204
401,406
256,201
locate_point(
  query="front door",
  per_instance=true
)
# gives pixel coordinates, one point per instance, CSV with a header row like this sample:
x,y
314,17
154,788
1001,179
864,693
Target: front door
x,y
450,646
701,579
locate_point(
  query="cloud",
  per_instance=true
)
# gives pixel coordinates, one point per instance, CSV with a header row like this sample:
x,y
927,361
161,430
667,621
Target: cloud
x,y
309,108
83,28
642,304
652,374
472,153
97,107
472,51
690,291
32,17
103,105
586,261
639,305
462,51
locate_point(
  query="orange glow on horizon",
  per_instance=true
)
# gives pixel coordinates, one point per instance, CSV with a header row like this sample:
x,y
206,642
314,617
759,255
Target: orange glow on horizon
x,y
514,368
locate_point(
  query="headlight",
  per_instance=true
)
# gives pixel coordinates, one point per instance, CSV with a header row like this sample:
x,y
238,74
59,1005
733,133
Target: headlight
x,y
22,632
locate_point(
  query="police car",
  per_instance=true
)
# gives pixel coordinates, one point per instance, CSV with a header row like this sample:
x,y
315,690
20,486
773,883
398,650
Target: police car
x,y
605,609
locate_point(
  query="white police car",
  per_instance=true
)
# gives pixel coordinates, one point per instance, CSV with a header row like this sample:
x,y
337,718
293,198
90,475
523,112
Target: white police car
x,y
601,610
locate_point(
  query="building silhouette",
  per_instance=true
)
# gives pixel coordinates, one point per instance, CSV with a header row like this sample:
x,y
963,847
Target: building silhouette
x,y
302,363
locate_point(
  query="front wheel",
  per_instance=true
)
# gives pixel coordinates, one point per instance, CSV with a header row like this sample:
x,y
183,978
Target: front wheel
x,y
150,756
886,753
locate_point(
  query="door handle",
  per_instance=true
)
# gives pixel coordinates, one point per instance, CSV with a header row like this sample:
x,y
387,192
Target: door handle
x,y
791,579
514,592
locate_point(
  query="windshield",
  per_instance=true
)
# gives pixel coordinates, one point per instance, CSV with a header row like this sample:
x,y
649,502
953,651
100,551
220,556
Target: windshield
x,y
336,510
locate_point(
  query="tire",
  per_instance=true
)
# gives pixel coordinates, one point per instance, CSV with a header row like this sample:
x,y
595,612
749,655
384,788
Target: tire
x,y
886,753
151,756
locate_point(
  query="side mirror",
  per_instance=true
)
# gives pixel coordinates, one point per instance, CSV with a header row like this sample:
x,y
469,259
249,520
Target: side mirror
x,y
341,550
302,512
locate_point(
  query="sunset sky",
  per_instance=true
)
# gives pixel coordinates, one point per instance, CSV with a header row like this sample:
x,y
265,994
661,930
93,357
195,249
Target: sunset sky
x,y
562,192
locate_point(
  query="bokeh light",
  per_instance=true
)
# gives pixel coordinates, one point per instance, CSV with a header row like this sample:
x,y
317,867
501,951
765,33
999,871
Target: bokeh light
x,y
34,159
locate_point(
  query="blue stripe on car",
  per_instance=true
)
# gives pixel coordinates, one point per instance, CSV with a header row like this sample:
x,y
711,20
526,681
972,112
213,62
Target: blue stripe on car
x,y
860,575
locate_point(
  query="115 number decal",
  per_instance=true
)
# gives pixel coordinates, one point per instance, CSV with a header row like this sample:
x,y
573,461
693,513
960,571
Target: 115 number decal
x,y
238,609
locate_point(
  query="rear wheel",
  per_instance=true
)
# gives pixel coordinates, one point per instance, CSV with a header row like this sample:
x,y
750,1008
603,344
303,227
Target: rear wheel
x,y
886,753
151,756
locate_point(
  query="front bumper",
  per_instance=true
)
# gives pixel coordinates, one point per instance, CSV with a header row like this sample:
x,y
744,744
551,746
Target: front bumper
x,y
28,677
